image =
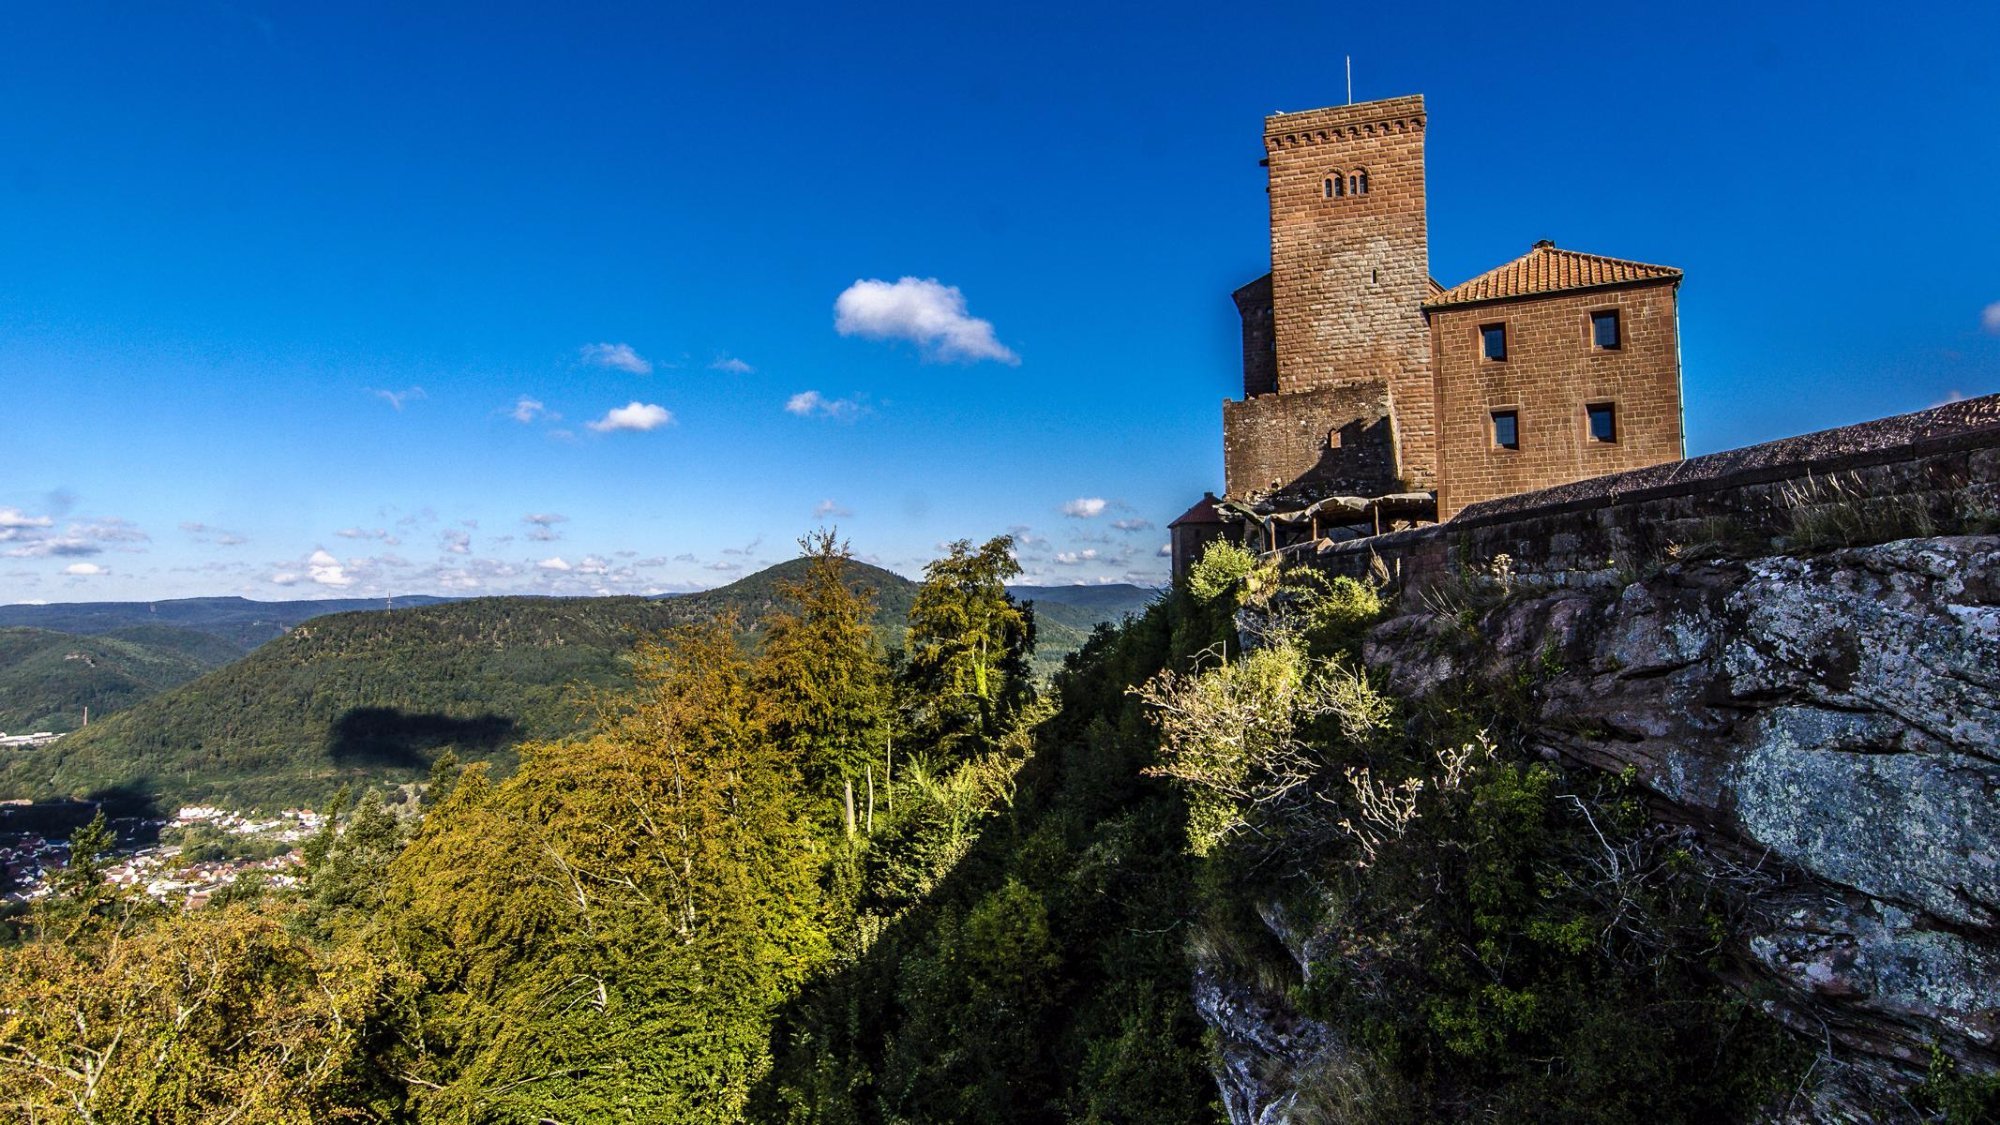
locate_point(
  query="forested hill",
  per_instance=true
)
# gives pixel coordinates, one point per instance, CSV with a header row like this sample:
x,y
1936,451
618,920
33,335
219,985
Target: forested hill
x,y
48,679
375,695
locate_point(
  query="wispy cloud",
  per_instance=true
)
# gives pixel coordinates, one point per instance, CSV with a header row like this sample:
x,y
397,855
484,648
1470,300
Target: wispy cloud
x,y
1084,507
807,404
1133,524
1075,558
398,398
542,525
456,542
732,365
14,521
527,409
381,533
617,357
34,536
207,533
635,416
830,508
923,311
1990,318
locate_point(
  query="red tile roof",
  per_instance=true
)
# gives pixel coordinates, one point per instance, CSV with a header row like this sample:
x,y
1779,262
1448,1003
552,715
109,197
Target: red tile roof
x,y
1204,511
1546,269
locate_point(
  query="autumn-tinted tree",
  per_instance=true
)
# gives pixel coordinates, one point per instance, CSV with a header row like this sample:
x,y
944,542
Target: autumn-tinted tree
x,y
211,1015
605,933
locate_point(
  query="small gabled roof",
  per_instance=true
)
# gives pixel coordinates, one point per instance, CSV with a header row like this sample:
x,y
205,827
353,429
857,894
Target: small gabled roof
x,y
1546,269
1204,511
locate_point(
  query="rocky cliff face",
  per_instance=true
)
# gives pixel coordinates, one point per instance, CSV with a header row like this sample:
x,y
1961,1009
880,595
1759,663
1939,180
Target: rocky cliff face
x,y
1833,721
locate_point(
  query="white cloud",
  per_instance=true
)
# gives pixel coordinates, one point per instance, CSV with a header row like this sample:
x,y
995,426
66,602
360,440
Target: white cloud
x,y
923,311
528,409
1075,558
833,508
456,542
732,365
1133,524
398,398
1990,318
618,357
555,563
1084,508
593,564
14,520
284,578
326,570
1166,550
84,570
636,416
805,404
542,525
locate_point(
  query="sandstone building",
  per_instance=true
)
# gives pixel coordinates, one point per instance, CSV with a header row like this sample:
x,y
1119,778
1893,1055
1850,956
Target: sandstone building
x,y
1365,380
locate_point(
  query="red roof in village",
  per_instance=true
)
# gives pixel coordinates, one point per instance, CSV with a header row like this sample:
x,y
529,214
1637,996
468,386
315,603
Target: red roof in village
x,y
1546,269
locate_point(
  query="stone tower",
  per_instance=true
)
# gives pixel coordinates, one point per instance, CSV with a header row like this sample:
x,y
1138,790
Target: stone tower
x,y
1350,261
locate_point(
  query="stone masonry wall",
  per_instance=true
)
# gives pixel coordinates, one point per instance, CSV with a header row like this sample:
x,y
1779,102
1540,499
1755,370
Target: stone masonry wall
x,y
1552,371
1942,463
1332,440
1349,275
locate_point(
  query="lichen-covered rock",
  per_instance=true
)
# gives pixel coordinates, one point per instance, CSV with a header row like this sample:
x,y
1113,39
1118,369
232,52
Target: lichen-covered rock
x,y
1839,715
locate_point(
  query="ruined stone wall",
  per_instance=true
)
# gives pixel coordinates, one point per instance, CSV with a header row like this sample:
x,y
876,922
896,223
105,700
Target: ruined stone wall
x,y
1349,274
1331,440
1551,373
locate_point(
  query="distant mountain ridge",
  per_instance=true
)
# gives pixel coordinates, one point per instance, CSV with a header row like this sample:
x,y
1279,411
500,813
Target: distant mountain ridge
x,y
246,623
363,696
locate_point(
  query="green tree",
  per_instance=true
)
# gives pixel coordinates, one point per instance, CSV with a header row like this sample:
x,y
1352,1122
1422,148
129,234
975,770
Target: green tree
x,y
968,645
821,678
347,863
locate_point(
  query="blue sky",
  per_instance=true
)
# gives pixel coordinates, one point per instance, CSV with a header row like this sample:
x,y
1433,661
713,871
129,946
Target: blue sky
x,y
325,300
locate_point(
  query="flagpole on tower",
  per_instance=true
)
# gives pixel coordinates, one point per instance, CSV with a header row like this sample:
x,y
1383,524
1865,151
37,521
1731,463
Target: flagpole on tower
x,y
1350,80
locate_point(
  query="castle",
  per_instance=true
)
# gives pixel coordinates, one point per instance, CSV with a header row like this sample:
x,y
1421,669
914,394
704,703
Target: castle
x,y
1374,397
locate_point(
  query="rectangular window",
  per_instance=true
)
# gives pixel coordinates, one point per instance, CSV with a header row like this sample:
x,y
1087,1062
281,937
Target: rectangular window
x,y
1507,429
1493,341
1603,421
1604,330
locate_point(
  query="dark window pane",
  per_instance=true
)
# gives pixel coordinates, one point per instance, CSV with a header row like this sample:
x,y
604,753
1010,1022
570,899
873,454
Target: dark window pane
x,y
1603,422
1604,328
1364,181
1328,186
1493,338
1506,429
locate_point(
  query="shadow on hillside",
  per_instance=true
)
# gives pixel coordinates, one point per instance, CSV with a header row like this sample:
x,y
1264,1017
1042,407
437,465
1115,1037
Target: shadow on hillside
x,y
392,737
